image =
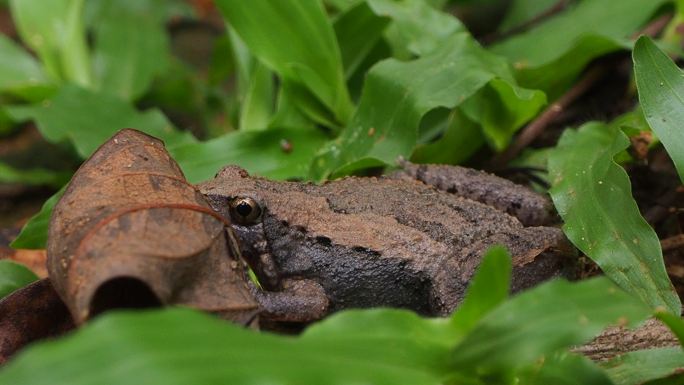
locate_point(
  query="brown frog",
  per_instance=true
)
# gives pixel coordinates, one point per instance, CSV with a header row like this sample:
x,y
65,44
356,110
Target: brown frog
x,y
412,240
131,232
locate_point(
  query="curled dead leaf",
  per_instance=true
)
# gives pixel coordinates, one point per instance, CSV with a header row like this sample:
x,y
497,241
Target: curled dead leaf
x,y
130,231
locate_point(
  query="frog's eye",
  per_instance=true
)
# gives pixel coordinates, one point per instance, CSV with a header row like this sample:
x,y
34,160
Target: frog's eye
x,y
245,211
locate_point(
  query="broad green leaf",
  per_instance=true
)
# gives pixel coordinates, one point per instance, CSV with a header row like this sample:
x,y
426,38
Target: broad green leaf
x,y
461,138
274,153
358,30
522,11
593,195
501,108
287,113
675,323
244,61
488,289
34,233
566,369
180,346
255,87
259,100
397,94
35,177
131,47
541,321
644,365
417,28
55,30
87,119
661,94
391,327
297,41
342,5
14,276
550,55
18,69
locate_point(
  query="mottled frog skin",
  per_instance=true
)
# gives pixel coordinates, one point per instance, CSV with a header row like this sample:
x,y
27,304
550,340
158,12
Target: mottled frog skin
x,y
411,240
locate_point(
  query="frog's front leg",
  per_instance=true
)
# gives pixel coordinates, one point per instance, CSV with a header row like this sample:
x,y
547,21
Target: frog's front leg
x,y
531,208
300,300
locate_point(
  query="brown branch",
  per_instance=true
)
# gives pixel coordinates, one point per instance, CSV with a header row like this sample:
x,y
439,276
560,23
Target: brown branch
x,y
672,243
619,340
653,28
553,10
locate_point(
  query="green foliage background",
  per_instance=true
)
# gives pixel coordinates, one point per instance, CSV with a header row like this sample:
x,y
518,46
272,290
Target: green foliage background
x,y
314,90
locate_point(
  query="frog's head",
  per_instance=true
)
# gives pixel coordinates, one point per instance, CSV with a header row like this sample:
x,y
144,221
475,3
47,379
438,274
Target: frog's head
x,y
240,200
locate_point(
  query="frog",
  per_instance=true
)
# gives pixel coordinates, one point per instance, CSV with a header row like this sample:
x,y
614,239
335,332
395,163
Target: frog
x,y
412,239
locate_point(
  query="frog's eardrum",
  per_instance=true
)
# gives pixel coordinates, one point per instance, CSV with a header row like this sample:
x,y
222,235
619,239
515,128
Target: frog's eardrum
x,y
130,231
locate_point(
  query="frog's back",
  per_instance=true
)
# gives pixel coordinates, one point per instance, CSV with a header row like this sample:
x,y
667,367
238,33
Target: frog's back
x,y
444,217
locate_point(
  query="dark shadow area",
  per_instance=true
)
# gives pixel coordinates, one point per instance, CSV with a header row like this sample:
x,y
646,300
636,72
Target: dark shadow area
x,y
123,293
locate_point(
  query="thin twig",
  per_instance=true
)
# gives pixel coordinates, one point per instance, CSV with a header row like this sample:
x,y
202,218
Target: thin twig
x,y
672,243
538,125
653,28
551,113
495,36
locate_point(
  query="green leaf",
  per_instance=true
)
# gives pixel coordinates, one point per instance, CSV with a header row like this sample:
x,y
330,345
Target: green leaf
x,y
417,28
180,346
274,153
488,289
593,195
397,94
640,366
541,321
550,55
87,119
258,103
501,108
661,93
566,369
675,323
54,30
34,233
131,47
296,40
255,87
18,69
522,11
34,177
14,276
461,138
358,30
342,5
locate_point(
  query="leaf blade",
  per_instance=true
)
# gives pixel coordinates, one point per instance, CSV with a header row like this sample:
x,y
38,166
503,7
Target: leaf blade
x,y
593,195
564,314
661,94
14,276
34,233
644,365
198,349
397,95
62,118
305,52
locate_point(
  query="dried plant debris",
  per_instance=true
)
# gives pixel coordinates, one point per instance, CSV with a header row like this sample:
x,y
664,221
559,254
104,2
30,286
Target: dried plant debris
x,y
131,232
32,313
